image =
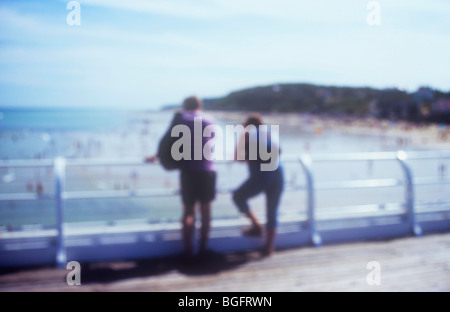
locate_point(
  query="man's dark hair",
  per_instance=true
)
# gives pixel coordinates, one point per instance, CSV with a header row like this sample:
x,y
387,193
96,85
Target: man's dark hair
x,y
192,103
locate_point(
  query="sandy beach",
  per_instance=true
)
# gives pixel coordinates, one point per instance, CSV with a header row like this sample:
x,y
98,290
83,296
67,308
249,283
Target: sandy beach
x,y
427,136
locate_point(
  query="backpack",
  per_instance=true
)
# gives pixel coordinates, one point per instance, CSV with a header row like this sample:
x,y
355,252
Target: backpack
x,y
165,146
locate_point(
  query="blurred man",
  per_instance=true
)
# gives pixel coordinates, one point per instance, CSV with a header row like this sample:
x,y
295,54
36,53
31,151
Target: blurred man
x,y
197,173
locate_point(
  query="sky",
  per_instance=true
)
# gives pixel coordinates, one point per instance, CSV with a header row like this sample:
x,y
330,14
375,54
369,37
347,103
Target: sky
x,y
140,54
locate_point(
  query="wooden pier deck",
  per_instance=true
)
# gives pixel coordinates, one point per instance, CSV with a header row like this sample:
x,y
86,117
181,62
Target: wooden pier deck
x,y
406,264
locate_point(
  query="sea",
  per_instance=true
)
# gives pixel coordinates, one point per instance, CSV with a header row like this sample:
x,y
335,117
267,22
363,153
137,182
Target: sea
x,y
27,134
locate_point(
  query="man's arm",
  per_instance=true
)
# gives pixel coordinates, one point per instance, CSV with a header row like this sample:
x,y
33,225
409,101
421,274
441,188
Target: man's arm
x,y
151,159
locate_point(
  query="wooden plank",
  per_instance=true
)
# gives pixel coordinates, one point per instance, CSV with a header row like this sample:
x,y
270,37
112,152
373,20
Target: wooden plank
x,y
406,264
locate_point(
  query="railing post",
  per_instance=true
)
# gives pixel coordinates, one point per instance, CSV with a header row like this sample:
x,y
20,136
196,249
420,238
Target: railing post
x,y
409,194
305,161
59,167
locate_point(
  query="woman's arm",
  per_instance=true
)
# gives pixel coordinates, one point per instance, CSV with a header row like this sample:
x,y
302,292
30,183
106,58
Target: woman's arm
x,y
240,151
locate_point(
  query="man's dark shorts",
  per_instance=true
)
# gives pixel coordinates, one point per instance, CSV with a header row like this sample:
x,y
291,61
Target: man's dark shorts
x,y
197,185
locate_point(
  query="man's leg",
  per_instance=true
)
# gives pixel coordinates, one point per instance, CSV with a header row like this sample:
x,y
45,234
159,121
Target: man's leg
x,y
188,227
205,211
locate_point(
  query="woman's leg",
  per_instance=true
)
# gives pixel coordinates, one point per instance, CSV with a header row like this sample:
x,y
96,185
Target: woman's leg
x,y
270,241
248,189
273,196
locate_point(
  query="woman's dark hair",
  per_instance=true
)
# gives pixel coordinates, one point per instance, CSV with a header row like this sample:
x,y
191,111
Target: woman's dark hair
x,y
253,119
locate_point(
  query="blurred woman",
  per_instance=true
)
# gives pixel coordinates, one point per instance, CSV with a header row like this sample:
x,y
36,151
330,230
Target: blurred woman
x,y
259,181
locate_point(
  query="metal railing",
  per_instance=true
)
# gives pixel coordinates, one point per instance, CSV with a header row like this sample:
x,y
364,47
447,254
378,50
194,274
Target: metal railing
x,y
60,195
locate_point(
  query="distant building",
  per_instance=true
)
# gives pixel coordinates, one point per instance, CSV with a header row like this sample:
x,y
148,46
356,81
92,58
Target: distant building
x,y
276,88
374,111
441,106
423,94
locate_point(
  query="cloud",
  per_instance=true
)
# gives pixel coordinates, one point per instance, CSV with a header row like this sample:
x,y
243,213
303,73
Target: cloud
x,y
190,9
306,11
215,46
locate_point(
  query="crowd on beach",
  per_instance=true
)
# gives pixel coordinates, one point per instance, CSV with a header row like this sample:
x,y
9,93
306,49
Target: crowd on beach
x,y
432,136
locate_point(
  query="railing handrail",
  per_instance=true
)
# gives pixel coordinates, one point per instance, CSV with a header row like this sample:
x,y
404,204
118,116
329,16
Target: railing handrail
x,y
316,157
60,164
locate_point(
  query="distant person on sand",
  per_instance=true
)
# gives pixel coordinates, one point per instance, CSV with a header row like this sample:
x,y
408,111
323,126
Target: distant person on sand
x,y
259,181
197,180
